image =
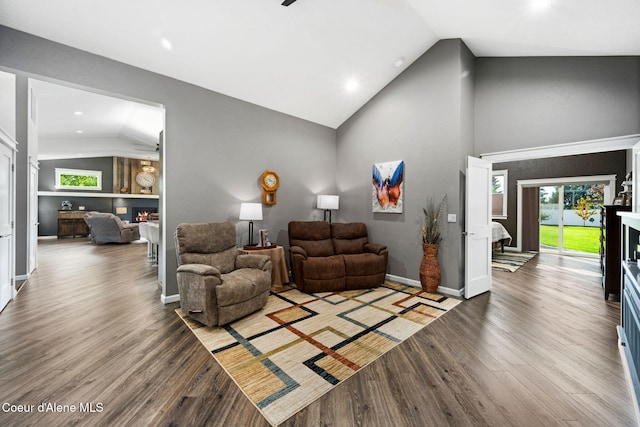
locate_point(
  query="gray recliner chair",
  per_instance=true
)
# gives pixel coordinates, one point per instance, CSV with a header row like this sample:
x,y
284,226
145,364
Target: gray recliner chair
x,y
108,228
217,283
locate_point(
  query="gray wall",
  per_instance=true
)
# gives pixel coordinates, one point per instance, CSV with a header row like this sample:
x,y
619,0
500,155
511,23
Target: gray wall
x,y
8,103
533,102
215,146
611,163
443,107
46,173
424,117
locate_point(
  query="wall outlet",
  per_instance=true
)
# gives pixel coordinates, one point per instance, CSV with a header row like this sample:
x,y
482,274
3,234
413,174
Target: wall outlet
x,y
451,218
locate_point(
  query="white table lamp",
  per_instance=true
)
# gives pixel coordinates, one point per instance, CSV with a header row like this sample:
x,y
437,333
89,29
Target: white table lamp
x,y
250,212
328,203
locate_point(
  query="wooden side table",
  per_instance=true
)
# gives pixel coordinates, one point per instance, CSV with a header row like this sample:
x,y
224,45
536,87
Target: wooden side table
x,y
279,271
71,224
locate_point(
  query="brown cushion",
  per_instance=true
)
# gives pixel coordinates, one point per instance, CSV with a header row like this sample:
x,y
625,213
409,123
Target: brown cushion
x,y
324,268
320,248
353,230
309,230
355,246
312,236
349,238
242,285
206,238
224,261
199,269
212,244
366,264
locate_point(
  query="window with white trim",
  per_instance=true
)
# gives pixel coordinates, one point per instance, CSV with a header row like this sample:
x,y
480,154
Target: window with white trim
x,y
499,194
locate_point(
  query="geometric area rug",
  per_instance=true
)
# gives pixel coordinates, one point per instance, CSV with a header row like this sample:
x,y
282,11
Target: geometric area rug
x,y
300,346
510,261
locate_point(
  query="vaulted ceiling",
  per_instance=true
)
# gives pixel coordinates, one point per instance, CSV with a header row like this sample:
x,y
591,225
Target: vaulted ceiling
x,y
320,60
74,122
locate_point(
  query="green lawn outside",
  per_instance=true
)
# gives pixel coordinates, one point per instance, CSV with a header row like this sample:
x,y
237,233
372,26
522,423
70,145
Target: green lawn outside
x,y
583,239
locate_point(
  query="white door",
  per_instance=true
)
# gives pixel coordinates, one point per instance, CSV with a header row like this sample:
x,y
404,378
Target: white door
x,y
33,216
6,225
477,241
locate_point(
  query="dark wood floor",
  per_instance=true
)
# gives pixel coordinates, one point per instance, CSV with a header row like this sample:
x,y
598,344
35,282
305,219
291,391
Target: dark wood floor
x,y
88,327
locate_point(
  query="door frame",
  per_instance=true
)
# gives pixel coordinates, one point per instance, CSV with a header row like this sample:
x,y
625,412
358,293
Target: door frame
x,y
608,180
7,141
162,257
32,209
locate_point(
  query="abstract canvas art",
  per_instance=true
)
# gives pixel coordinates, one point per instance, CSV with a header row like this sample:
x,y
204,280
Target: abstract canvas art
x,y
388,188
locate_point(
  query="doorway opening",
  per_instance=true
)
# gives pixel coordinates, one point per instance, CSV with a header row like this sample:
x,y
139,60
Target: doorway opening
x,y
83,128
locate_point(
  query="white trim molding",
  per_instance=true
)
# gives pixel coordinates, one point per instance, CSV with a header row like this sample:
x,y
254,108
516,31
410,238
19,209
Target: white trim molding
x,y
8,140
93,194
168,299
616,143
504,173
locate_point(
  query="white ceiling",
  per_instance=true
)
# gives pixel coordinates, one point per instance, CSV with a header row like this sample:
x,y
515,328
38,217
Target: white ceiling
x,y
73,122
297,59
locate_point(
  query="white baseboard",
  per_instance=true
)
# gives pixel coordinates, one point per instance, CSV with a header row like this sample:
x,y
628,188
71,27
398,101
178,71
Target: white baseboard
x,y
168,299
19,278
416,284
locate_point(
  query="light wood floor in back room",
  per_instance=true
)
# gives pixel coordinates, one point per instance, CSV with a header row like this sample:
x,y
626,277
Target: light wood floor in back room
x,y
88,327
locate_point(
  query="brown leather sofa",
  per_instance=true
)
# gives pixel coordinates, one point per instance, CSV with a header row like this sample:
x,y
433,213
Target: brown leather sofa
x,y
335,257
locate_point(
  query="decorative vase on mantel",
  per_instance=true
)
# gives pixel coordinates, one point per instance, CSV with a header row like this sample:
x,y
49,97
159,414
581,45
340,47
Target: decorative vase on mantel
x,y
429,268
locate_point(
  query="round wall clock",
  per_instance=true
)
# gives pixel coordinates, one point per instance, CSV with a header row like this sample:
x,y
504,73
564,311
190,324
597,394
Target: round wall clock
x,y
270,180
145,180
270,183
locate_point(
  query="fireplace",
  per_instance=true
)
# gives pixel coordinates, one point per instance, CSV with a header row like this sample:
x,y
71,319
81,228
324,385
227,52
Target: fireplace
x,y
142,214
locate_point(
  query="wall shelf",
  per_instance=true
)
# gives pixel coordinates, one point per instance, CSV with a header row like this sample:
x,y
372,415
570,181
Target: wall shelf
x,y
92,194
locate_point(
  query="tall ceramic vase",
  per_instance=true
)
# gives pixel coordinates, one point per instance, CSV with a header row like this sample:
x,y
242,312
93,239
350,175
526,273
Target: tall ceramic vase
x,y
429,268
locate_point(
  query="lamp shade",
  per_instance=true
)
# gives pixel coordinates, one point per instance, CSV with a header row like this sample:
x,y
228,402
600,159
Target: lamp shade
x,y
328,201
250,211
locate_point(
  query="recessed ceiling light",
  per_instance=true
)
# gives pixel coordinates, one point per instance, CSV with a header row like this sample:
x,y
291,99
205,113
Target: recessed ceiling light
x,y
78,113
78,131
399,62
351,85
166,44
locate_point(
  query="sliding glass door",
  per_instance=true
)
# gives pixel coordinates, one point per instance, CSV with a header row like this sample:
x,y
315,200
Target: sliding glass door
x,y
570,218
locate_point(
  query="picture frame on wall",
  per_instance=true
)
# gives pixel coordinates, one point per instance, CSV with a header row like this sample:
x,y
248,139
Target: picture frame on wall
x,y
387,191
